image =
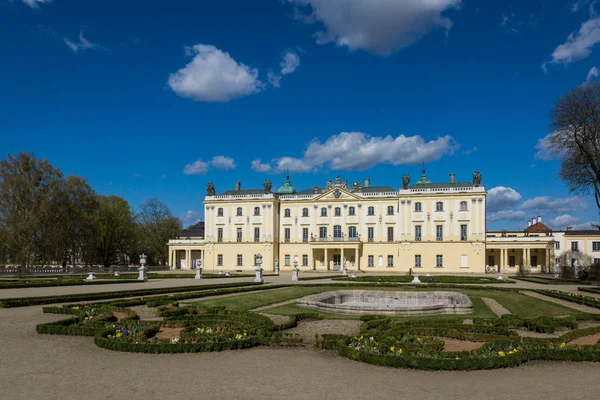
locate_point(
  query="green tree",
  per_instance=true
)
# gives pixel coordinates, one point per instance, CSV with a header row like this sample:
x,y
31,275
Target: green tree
x,y
158,225
28,190
114,230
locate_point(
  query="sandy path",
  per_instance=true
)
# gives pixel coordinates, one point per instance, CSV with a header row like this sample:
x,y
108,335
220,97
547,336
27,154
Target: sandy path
x,y
44,367
496,307
568,304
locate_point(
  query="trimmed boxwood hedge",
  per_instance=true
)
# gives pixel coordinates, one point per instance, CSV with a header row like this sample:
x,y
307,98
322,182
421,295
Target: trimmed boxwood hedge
x,y
58,282
572,297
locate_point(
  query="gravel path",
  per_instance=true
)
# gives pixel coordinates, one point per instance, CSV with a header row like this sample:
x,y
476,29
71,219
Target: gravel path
x,y
564,303
496,307
147,313
45,367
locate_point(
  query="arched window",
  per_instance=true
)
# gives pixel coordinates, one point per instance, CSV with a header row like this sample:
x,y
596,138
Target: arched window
x,y
338,212
463,206
350,210
352,232
287,212
239,211
439,206
323,233
219,212
323,212
371,211
418,207
337,232
256,210
390,210
305,212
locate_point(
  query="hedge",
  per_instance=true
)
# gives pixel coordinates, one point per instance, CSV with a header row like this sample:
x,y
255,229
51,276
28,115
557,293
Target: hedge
x,y
58,282
30,301
438,279
572,297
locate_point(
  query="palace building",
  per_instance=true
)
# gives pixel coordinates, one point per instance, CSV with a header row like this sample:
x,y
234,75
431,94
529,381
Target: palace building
x,y
423,227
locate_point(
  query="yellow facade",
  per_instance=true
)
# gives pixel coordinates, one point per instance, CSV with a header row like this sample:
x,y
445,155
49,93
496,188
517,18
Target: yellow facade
x,y
371,228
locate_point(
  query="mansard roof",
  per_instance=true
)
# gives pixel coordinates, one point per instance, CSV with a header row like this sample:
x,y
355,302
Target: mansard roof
x,y
193,231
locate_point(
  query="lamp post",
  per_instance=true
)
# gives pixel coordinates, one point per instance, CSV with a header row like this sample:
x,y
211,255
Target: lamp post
x,y
345,268
198,269
258,270
142,269
295,270
277,266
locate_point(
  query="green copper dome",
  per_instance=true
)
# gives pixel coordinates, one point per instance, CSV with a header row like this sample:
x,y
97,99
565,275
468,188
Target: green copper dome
x,y
423,179
287,187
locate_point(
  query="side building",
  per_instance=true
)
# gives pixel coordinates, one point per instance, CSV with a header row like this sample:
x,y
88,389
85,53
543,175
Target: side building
x,y
424,227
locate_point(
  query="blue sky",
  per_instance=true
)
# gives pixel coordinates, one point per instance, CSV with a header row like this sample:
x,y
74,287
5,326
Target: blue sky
x,y
155,99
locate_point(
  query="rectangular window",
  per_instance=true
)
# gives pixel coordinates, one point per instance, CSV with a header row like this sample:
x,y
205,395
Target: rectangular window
x,y
390,261
287,235
557,245
371,261
305,212
439,261
239,260
390,234
417,261
463,232
257,234
512,261
305,260
323,233
239,234
220,235
596,260
439,233
574,246
418,233
287,260
534,262
595,246
305,234
220,260
371,234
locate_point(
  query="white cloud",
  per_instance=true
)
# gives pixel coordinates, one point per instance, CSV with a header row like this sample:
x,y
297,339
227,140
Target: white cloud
x,y
578,5
83,44
562,221
501,198
214,76
590,225
470,151
545,204
508,22
506,215
198,167
223,162
274,79
579,44
545,150
290,62
36,3
592,74
190,218
359,151
377,26
260,167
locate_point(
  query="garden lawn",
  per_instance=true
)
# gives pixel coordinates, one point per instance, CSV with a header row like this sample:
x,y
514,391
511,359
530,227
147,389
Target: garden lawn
x,y
523,305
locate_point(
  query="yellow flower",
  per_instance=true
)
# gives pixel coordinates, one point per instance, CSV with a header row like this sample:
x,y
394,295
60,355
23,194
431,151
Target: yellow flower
x,y
400,351
118,335
392,348
419,339
245,334
563,345
501,354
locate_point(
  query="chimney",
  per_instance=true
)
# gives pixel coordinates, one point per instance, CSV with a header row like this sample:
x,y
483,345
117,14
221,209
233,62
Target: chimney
x,y
367,182
238,186
452,177
533,221
539,218
528,224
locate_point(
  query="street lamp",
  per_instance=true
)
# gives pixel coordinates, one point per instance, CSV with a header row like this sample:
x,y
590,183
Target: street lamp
x,y
295,270
258,270
345,268
142,269
276,265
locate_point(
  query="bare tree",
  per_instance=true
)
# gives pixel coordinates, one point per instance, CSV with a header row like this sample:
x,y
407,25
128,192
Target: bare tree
x,y
158,225
576,138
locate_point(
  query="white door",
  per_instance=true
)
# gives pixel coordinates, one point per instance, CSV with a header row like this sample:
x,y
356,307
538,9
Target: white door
x,y
464,261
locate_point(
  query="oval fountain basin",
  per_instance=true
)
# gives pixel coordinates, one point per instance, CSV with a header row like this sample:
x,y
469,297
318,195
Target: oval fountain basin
x,y
383,302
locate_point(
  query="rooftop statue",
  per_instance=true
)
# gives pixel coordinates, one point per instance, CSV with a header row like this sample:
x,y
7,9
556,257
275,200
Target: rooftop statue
x,y
210,189
268,186
405,181
476,178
